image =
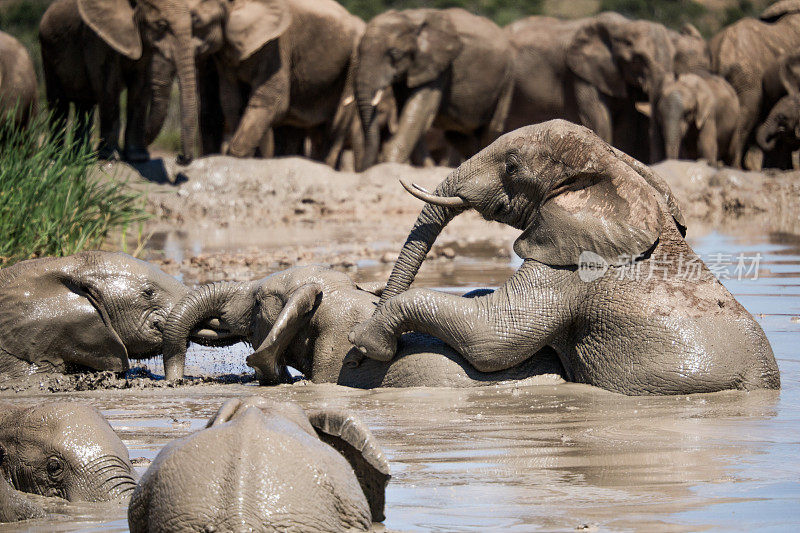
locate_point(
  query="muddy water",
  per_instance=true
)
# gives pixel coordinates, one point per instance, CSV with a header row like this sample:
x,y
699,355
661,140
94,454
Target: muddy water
x,y
549,457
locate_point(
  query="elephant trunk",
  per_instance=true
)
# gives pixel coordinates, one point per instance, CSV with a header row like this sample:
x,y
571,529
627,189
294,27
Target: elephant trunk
x,y
111,478
163,74
205,302
187,82
429,224
671,116
766,135
370,127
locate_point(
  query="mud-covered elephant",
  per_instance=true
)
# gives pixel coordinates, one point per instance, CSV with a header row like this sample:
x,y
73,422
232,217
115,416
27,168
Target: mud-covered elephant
x,y
92,50
14,506
17,81
286,63
262,465
779,133
301,318
65,450
698,117
92,309
604,278
747,54
430,59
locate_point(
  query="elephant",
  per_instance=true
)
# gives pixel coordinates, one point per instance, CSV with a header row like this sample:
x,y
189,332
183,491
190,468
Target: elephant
x,y
592,70
698,115
301,317
595,222
18,96
94,49
65,450
14,507
285,63
747,54
429,58
779,134
93,309
262,465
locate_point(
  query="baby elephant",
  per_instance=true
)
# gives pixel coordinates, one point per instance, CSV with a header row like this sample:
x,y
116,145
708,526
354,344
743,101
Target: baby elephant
x,y
265,466
301,317
779,134
62,449
697,114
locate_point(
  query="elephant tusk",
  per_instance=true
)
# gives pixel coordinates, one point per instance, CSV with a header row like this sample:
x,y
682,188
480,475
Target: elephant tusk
x,y
377,98
347,101
444,201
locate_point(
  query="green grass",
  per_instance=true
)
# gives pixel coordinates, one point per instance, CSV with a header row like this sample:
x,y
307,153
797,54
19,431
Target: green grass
x,y
52,200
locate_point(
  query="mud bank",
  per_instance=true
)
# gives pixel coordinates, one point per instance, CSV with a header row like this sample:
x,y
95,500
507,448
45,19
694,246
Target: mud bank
x,y
227,218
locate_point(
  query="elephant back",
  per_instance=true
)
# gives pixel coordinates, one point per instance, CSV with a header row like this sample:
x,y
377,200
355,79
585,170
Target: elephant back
x,y
780,9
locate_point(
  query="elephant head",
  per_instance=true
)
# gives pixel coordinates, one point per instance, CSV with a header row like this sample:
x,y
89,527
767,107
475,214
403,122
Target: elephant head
x,y
281,453
63,449
617,55
94,309
558,182
411,48
783,121
684,102
268,313
692,53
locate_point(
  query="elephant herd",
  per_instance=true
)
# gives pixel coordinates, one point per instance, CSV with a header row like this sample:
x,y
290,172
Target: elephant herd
x,y
267,466
273,77
581,308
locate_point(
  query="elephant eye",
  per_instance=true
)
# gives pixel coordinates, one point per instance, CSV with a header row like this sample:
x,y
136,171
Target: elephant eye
x,y
512,166
162,25
396,54
55,468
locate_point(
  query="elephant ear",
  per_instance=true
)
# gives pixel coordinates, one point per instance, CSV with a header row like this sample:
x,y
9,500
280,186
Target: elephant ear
x,y
253,23
589,57
351,438
705,105
114,21
779,9
438,44
294,315
789,71
599,206
56,317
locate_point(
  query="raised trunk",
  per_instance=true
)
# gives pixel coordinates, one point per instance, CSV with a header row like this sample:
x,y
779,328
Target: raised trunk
x,y
163,73
187,82
430,222
205,302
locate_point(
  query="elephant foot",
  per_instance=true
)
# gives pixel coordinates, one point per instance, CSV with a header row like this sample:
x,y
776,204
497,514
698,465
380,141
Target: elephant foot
x,y
373,341
137,154
108,153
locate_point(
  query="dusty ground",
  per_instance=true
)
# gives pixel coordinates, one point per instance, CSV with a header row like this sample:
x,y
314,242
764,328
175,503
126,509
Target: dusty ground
x,y
226,218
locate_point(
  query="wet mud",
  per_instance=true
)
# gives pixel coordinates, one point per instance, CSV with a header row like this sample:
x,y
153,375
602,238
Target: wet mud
x,y
514,456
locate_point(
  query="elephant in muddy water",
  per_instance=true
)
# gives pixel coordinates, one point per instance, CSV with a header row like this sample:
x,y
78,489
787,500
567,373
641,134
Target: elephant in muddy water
x,y
747,54
14,506
698,115
65,450
595,222
92,50
429,59
17,81
301,317
262,465
92,309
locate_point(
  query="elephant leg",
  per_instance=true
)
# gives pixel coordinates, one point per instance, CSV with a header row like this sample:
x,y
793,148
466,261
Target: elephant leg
x,y
109,120
707,142
749,108
212,119
230,94
139,95
268,103
493,332
593,111
84,117
416,119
